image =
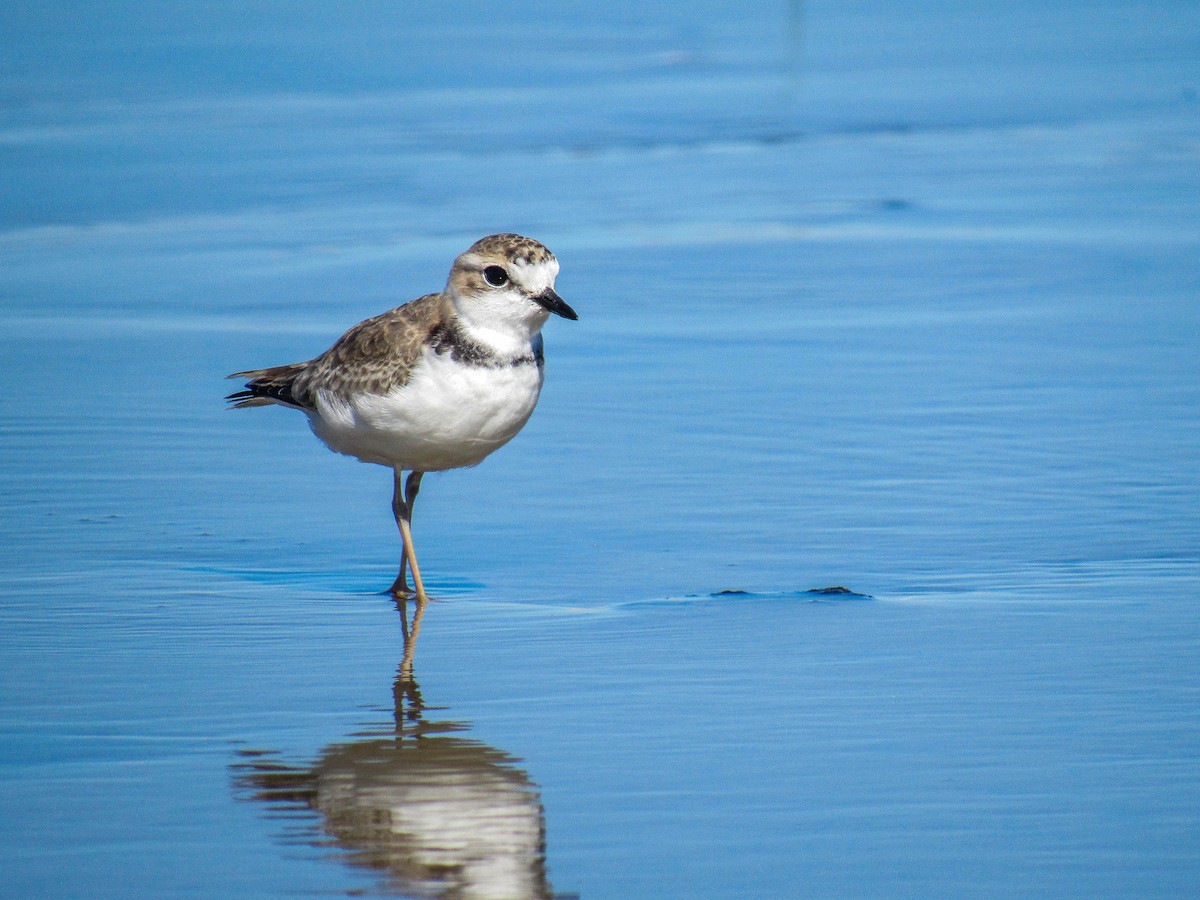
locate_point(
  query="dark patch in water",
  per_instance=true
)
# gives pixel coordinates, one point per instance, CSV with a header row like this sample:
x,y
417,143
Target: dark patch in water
x,y
838,591
823,593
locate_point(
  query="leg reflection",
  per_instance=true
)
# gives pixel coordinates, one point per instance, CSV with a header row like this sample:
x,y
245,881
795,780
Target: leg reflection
x,y
406,692
437,814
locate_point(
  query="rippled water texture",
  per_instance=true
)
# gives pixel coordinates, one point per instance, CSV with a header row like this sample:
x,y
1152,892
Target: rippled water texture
x,y
896,299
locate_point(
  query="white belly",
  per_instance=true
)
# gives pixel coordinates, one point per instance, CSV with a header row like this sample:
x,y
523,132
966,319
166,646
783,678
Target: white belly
x,y
448,415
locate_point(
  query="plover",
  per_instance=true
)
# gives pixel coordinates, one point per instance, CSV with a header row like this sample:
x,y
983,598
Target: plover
x,y
438,383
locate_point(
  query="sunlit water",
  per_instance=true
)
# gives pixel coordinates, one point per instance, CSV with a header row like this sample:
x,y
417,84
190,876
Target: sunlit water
x,y
898,300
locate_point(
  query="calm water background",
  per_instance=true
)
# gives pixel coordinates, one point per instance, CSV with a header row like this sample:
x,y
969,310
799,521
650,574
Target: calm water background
x,y
902,299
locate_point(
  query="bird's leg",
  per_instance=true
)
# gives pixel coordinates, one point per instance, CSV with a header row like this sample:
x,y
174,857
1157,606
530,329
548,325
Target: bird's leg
x,y
411,487
404,495
402,511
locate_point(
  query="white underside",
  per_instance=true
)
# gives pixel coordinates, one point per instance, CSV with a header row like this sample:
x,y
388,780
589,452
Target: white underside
x,y
448,415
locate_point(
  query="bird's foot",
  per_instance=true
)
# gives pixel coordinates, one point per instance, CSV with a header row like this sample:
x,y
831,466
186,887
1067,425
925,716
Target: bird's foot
x,y
401,593
400,589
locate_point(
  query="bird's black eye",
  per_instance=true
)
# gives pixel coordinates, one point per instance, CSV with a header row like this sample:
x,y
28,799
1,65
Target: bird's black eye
x,y
495,276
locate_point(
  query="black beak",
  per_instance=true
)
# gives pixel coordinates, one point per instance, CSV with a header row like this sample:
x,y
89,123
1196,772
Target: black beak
x,y
547,299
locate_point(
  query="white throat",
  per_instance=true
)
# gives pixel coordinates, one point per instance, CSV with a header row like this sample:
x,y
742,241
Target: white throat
x,y
506,319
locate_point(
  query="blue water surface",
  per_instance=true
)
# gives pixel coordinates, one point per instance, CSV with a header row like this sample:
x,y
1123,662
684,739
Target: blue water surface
x,y
896,299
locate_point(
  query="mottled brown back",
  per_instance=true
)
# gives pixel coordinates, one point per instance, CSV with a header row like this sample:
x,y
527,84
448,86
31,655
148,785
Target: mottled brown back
x,y
375,356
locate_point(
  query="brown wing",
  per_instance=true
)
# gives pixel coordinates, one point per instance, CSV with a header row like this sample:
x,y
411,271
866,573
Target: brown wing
x,y
374,356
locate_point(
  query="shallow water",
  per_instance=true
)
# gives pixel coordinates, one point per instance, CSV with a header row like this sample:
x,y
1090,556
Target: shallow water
x,y
898,300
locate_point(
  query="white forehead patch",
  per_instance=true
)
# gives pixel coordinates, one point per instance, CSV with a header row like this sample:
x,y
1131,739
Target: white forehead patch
x,y
534,277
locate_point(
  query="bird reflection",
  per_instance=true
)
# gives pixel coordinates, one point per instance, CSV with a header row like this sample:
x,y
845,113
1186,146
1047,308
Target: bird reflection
x,y
438,815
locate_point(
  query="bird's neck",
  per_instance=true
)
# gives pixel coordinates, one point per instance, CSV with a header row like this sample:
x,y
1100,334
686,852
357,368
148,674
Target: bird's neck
x,y
503,328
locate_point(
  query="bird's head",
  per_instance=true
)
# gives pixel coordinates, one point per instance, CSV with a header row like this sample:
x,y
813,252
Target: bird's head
x,y
504,284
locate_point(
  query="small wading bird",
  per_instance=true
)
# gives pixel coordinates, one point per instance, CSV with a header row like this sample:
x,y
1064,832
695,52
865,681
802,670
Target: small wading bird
x,y
435,384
